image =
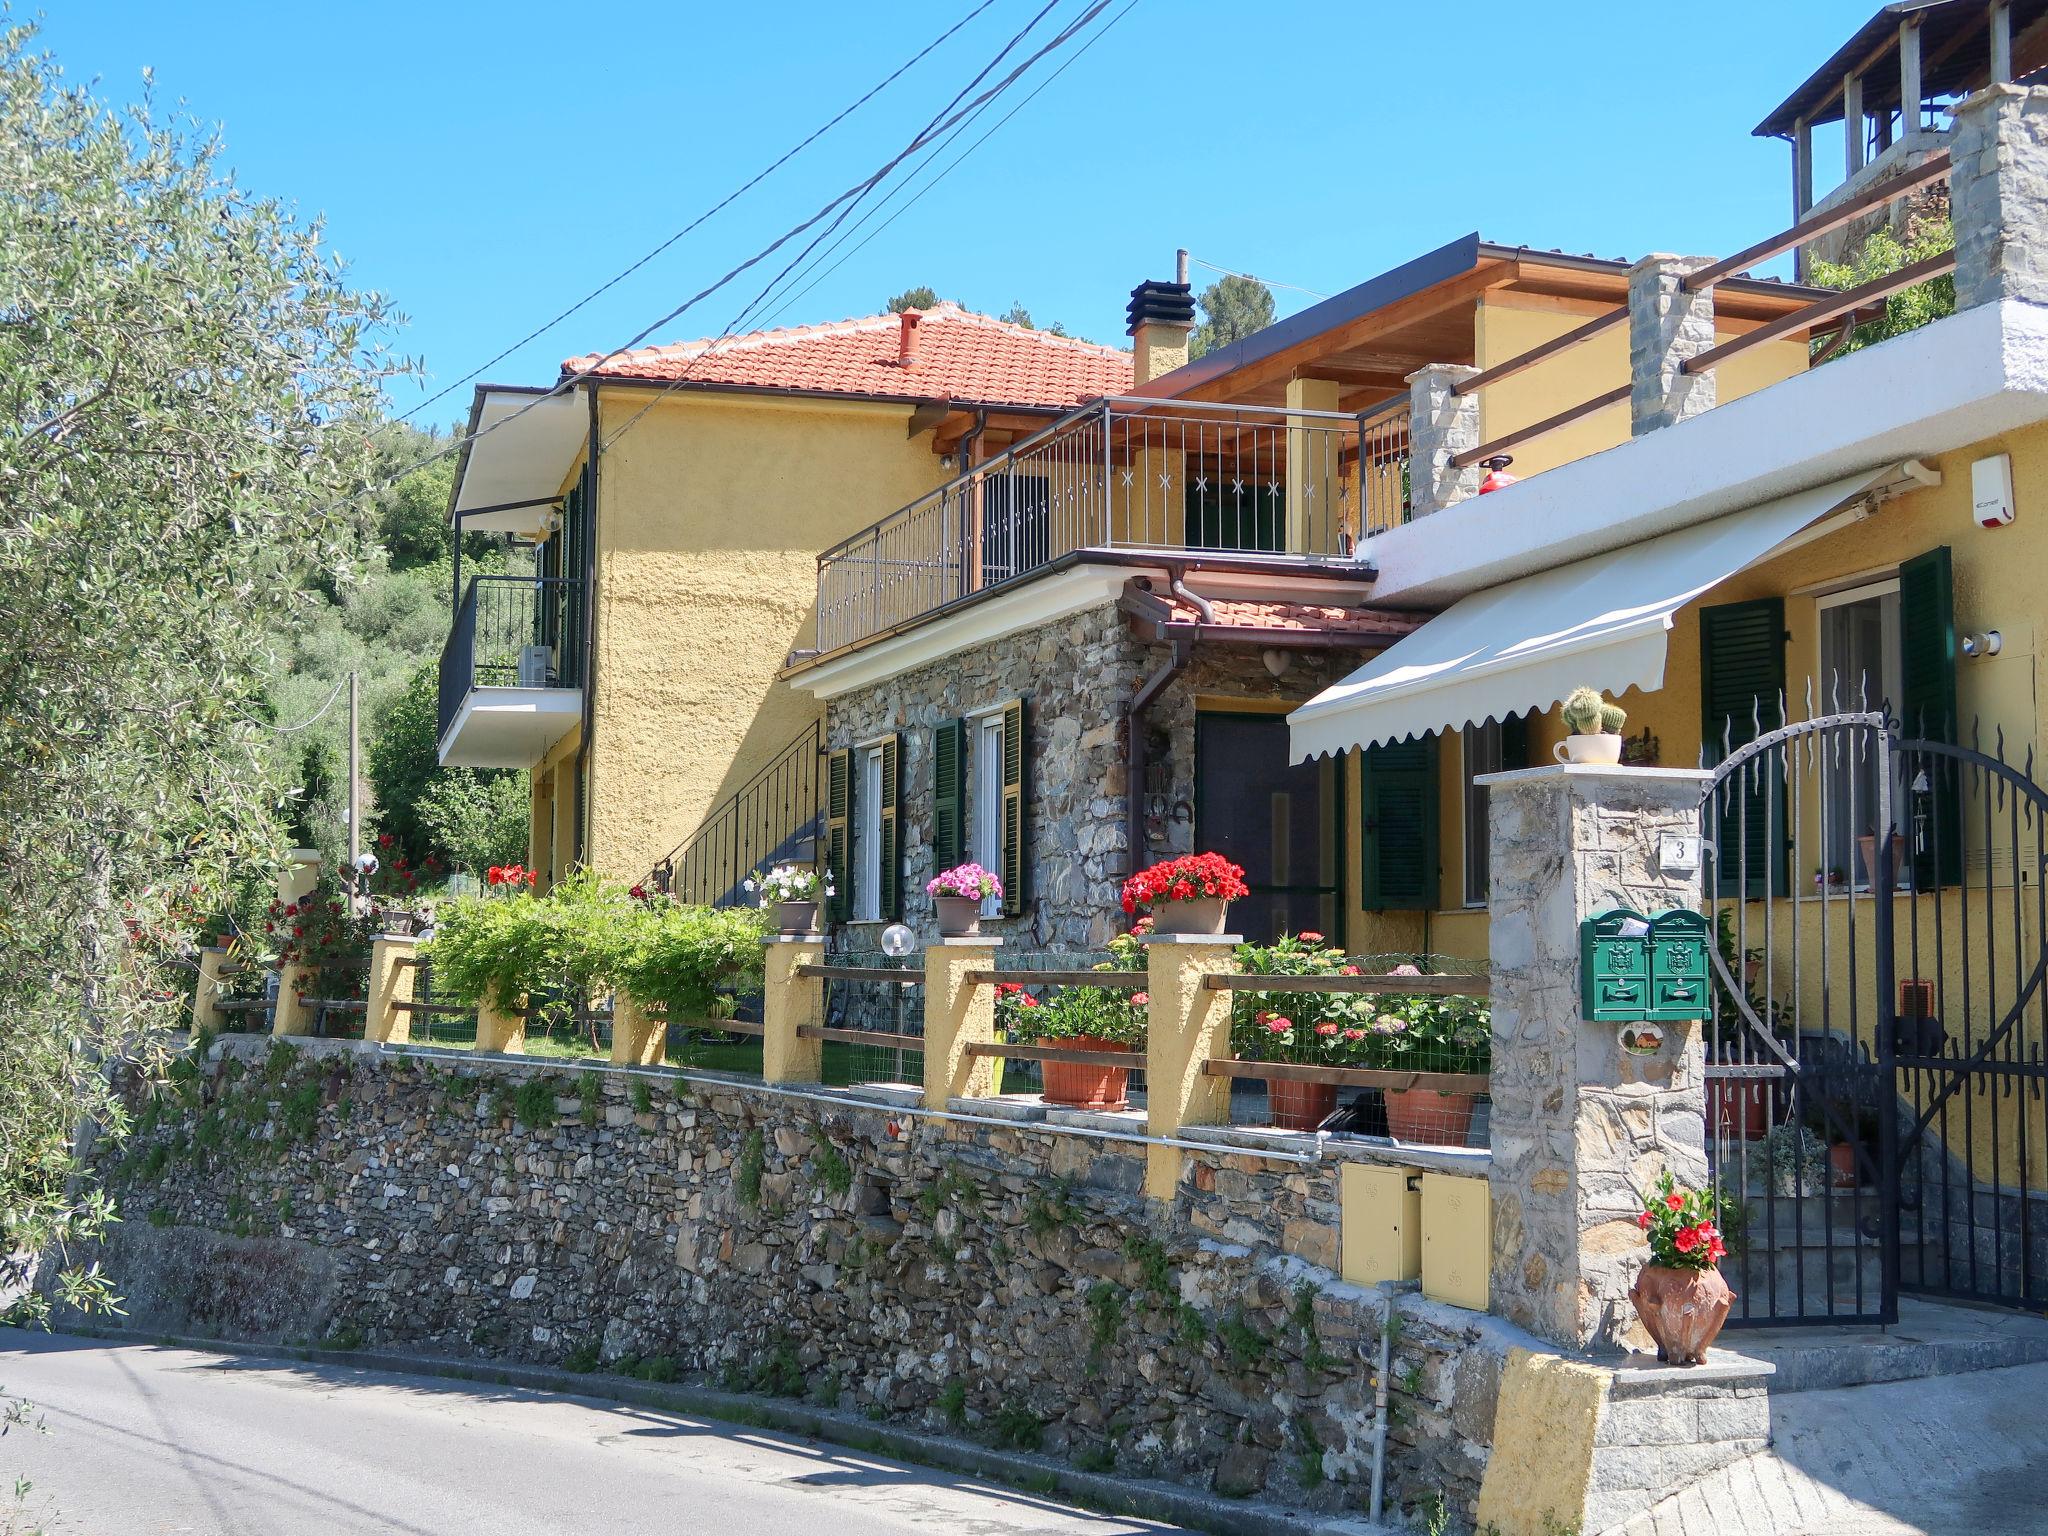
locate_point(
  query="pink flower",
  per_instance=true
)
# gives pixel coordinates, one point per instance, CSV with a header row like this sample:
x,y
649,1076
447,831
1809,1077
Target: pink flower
x,y
1279,1026
1307,937
1326,1029
1140,999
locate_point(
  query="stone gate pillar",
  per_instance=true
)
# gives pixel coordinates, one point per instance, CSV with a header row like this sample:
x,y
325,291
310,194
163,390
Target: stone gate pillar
x,y
1579,1125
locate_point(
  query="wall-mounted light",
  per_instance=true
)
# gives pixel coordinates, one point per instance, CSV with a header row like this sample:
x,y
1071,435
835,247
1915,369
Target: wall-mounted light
x,y
1987,643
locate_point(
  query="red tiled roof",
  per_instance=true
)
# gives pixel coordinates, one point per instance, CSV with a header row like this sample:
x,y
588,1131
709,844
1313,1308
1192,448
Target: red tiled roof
x,y
959,356
1238,613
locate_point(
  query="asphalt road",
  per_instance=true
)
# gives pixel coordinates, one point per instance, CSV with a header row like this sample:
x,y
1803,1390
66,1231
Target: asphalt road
x,y
143,1440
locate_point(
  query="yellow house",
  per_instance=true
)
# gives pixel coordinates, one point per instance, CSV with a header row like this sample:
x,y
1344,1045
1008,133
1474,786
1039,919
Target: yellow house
x,y
678,497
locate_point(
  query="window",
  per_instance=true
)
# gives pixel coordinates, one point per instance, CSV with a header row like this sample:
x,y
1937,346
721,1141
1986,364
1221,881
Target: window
x,y
1226,510
1482,756
986,757
1280,820
1859,670
867,838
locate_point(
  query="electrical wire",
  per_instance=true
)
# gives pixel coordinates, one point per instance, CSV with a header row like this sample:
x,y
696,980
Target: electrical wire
x,y
305,724
1248,277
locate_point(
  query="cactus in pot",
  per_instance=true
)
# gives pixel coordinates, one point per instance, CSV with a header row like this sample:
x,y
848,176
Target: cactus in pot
x,y
1595,727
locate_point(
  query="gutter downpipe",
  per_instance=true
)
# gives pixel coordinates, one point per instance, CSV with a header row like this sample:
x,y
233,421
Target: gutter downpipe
x,y
1134,721
1379,1406
581,788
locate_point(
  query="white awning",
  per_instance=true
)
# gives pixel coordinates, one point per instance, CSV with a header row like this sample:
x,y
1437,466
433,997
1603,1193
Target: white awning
x,y
522,446
1599,622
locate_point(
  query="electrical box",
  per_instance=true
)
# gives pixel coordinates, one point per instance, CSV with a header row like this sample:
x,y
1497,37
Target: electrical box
x,y
1380,1211
1635,968
1991,490
1457,1240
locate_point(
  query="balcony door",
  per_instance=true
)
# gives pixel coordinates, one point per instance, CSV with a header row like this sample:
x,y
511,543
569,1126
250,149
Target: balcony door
x,y
1282,821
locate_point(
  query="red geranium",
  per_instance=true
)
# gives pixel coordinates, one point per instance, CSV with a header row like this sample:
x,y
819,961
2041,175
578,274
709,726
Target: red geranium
x,y
1188,878
1679,1224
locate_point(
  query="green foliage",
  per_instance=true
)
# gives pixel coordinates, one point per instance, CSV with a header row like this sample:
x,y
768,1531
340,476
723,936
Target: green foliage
x,y
503,1102
1882,254
1232,309
1015,1427
160,1216
1150,1257
299,1114
1105,1321
950,1187
1094,1457
346,1337
1411,1379
746,1178
829,1167
583,1359
777,1372
1246,1345
825,1390
923,296
953,1402
686,959
590,1093
643,1097
1044,1214
533,1103
1065,1013
474,819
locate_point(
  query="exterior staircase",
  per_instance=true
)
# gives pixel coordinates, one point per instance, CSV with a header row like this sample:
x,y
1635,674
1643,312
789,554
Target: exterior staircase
x,y
776,817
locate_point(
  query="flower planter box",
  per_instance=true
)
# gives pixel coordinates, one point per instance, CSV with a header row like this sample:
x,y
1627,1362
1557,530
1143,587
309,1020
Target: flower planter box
x,y
959,916
796,917
1075,1086
1203,915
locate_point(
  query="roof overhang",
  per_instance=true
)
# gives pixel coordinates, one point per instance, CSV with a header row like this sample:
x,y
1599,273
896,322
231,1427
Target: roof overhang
x,y
522,444
1599,622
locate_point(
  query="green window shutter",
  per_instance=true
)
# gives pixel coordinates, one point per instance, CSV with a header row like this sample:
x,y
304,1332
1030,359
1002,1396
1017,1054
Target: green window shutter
x,y
838,825
1742,695
890,875
949,755
1928,712
1514,743
1400,826
1015,852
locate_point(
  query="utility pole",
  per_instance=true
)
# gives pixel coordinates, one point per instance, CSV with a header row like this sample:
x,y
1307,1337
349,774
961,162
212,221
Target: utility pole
x,y
355,837
1180,266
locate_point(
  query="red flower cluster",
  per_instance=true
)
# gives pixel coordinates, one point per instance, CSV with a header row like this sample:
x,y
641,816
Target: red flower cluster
x,y
1680,1224
510,874
1188,878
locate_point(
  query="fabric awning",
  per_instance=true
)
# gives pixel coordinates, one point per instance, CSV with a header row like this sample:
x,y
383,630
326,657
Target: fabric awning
x,y
1526,644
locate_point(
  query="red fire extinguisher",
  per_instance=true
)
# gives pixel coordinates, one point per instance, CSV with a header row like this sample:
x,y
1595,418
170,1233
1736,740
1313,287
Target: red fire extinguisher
x,y
1497,476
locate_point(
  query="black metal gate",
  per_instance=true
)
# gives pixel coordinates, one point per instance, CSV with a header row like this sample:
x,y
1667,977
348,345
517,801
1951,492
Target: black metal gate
x,y
1875,1056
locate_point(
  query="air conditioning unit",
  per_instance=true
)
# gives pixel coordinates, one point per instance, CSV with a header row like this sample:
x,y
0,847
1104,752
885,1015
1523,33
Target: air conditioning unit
x,y
535,663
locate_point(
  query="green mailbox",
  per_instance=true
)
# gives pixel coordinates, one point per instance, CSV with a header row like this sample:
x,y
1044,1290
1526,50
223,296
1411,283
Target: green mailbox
x,y
1640,968
1679,984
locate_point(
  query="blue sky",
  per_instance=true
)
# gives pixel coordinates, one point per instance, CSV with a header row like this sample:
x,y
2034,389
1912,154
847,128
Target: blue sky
x,y
487,165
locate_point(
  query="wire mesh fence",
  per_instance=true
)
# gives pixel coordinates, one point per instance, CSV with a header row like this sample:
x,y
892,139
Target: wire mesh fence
x,y
890,1011
1038,1003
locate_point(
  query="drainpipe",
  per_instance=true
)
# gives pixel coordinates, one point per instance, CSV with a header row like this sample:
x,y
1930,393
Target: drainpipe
x,y
1134,778
582,822
1379,1407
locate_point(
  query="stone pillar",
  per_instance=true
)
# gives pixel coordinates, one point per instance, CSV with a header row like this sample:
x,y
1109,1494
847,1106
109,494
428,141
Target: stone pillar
x,y
1186,1023
1998,196
394,962
501,1029
788,1002
1666,326
290,1015
1579,1126
1441,426
958,1013
1314,451
206,992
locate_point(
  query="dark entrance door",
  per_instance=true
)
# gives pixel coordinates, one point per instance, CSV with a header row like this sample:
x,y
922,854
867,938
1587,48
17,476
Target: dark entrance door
x,y
1282,821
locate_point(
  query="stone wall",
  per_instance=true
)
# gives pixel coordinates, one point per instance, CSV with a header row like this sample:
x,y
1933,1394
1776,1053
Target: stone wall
x,y
1077,674
1000,1281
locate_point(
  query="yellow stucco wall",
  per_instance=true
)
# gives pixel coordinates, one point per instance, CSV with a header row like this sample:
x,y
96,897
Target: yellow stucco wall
x,y
1510,324
711,514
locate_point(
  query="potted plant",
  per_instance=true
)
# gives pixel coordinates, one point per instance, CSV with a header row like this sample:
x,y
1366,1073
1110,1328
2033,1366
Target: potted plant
x,y
1078,1019
1679,1295
1299,1028
792,890
1426,1032
1189,894
1595,727
957,896
1867,845
1798,1161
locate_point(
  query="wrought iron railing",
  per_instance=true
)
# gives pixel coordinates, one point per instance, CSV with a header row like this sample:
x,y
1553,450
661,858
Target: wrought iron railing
x,y
1125,473
773,818
513,632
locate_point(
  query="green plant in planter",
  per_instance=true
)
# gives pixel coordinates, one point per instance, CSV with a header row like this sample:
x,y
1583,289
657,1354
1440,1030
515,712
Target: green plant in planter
x,y
1798,1160
1586,713
1068,1013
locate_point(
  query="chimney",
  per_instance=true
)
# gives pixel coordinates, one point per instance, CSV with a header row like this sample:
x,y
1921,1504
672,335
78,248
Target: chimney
x,y
906,337
1161,316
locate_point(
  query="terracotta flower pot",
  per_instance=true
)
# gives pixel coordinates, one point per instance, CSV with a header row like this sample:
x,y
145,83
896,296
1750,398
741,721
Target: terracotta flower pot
x,y
959,916
1842,1161
1299,1106
1736,1109
1426,1116
1086,1087
1682,1309
1204,914
793,917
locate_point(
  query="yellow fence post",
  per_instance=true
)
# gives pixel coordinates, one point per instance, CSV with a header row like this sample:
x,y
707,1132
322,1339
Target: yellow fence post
x,y
290,1015
790,1002
393,963
958,1013
499,1028
206,994
1186,1024
639,1039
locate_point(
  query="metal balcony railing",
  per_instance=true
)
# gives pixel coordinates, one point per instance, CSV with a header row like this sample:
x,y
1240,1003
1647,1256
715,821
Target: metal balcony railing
x,y
1125,473
774,818
513,632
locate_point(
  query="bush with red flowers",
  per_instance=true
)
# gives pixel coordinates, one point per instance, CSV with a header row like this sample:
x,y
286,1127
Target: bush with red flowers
x,y
510,877
320,932
1191,877
1680,1225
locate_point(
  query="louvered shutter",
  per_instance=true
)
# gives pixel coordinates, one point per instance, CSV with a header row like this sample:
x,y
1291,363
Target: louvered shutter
x,y
1400,831
1928,712
838,840
1742,696
890,875
1015,853
949,755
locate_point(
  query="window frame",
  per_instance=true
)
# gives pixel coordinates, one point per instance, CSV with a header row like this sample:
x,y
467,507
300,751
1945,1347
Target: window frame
x,y
865,834
1475,830
982,777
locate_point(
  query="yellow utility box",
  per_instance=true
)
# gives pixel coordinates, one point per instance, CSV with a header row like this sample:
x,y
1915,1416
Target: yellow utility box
x,y
1457,1239
1381,1223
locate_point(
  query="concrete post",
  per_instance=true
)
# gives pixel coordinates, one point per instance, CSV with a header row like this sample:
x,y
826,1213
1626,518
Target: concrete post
x,y
1667,326
291,1016
300,875
1185,1025
958,1013
394,962
499,1028
206,992
1998,196
1579,1125
1441,426
789,1001
639,1038
1313,455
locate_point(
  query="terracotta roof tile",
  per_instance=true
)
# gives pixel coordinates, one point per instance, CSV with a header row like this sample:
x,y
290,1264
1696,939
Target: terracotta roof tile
x,y
960,356
1237,613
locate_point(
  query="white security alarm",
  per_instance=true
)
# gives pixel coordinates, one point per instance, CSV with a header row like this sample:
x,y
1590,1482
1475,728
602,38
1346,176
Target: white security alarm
x,y
1991,490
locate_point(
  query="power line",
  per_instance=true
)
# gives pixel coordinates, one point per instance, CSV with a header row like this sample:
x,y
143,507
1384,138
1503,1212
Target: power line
x,y
1248,277
708,214
305,724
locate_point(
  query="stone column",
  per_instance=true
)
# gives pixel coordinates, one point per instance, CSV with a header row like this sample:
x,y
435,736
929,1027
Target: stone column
x,y
789,1001
499,1028
393,964
290,1015
1441,426
1579,1126
206,1012
1998,196
639,1038
958,1013
1666,326
1186,1023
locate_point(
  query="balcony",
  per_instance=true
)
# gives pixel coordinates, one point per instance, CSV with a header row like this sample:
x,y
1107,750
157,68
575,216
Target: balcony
x,y
1124,474
512,670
